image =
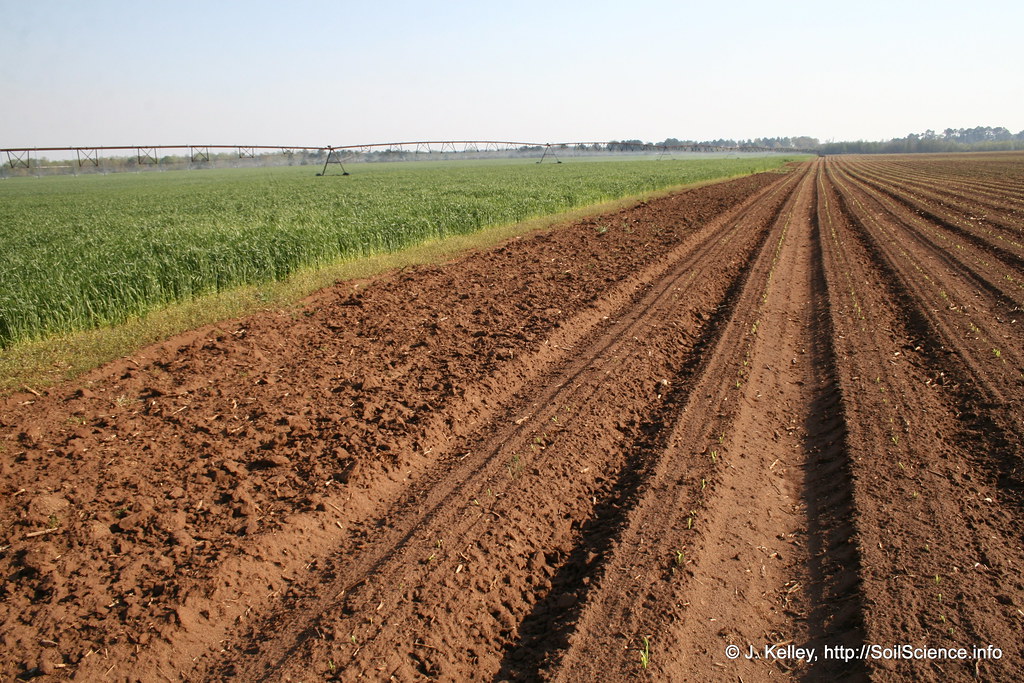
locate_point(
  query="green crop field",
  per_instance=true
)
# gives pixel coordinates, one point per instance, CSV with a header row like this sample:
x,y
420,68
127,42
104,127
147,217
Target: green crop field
x,y
94,250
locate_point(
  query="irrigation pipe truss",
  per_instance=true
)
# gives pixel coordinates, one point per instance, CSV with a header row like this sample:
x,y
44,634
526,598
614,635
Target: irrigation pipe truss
x,y
148,154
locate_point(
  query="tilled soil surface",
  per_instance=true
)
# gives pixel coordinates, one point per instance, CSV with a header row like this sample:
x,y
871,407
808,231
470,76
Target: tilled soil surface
x,y
781,413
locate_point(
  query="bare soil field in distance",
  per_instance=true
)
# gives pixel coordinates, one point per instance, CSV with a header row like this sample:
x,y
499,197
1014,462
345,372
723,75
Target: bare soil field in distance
x,y
780,414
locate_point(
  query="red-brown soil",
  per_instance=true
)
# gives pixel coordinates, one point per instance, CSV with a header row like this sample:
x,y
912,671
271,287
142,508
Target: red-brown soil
x,y
782,410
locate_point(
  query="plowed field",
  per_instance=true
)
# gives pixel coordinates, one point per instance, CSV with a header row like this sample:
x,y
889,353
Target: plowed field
x,y
781,413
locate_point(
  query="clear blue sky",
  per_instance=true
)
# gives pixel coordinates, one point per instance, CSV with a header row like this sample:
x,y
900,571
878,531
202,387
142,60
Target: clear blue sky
x,y
344,72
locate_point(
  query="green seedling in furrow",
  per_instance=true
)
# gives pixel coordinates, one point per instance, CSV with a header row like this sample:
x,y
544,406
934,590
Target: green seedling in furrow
x,y
645,652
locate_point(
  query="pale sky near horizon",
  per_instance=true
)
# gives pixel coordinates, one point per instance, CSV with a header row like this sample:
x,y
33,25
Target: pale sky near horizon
x,y
333,73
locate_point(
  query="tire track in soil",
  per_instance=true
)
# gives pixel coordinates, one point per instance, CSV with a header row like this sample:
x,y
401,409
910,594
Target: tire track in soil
x,y
935,511
945,244
997,219
972,174
960,190
543,656
976,322
1008,253
946,189
402,553
768,559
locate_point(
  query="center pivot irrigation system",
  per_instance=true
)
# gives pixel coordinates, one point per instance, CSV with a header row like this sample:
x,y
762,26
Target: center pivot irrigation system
x,y
22,157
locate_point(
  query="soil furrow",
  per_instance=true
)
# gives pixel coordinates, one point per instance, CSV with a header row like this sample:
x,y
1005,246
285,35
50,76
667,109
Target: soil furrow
x,y
957,191
774,515
579,416
920,477
688,536
667,478
982,330
998,173
959,250
989,394
994,232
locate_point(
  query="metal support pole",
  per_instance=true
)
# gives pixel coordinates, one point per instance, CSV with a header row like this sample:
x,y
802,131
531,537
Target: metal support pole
x,y
147,155
23,159
548,150
330,152
89,155
330,156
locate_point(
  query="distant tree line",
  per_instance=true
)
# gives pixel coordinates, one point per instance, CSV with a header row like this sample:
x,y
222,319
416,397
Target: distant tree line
x,y
979,139
799,142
